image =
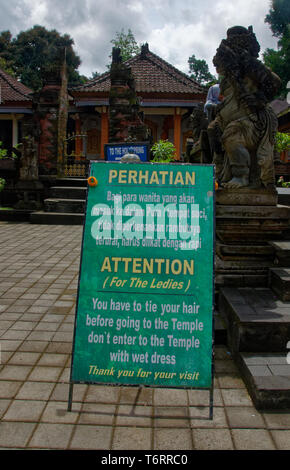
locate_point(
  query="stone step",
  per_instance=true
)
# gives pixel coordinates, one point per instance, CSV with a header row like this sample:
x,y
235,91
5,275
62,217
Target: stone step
x,y
56,218
75,206
68,192
284,196
267,378
242,252
252,212
77,182
250,224
282,252
279,280
256,319
220,331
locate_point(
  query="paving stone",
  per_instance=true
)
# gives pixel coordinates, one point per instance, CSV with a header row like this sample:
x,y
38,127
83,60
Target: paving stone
x,y
51,436
171,440
35,391
61,392
15,434
60,348
236,397
280,369
132,439
44,374
136,395
14,372
47,326
252,439
276,420
170,397
56,412
92,437
102,394
244,417
15,334
202,397
200,417
4,404
51,359
170,416
97,414
230,381
134,416
24,411
25,358
33,346
10,345
40,336
9,389
281,439
212,439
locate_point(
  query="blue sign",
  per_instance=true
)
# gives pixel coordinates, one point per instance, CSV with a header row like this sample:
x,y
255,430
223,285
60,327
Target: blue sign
x,y
114,152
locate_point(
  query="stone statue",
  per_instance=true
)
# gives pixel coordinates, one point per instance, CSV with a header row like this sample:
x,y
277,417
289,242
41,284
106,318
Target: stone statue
x,y
242,133
197,147
28,161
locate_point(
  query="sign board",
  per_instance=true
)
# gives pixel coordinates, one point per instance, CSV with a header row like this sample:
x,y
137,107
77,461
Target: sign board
x,y
114,152
144,311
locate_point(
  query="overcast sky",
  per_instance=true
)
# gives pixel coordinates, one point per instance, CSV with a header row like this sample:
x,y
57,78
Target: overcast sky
x,y
174,29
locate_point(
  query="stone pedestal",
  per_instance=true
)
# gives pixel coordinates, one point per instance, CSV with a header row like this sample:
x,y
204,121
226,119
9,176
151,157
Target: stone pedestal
x,y
29,194
247,197
244,232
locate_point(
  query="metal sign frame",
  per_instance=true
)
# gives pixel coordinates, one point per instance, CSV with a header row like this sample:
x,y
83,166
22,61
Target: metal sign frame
x,y
209,389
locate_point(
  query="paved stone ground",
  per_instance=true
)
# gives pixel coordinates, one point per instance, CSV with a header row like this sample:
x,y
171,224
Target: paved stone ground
x,y
39,267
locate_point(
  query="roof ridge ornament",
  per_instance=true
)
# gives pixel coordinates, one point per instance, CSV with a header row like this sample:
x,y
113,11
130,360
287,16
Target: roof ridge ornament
x,y
144,50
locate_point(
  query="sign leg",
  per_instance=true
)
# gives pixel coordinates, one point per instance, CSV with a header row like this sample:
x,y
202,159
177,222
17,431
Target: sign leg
x,y
70,396
211,403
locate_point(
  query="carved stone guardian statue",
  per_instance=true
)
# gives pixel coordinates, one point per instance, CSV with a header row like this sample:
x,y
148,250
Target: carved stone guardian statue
x,y
244,121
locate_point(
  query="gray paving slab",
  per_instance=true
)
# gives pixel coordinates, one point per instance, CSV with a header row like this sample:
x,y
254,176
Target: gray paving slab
x,y
38,285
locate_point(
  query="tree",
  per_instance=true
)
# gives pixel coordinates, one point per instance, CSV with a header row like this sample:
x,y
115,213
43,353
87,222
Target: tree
x,y
127,43
279,17
199,71
35,51
6,68
279,60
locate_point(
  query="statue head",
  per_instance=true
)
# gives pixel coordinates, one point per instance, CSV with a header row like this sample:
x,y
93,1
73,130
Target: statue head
x,y
240,38
240,45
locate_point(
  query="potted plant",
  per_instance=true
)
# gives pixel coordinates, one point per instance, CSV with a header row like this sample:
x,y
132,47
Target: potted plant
x,y
283,184
282,145
163,151
7,162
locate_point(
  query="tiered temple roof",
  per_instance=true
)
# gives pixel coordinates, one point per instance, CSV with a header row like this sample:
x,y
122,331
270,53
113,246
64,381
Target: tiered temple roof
x,y
153,76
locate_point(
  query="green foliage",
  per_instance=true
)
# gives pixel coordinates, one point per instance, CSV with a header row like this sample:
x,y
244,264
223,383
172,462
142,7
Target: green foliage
x,y
35,51
279,60
127,43
282,141
163,151
6,67
199,71
3,152
279,17
283,184
2,184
